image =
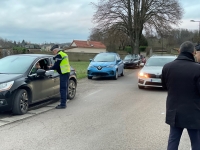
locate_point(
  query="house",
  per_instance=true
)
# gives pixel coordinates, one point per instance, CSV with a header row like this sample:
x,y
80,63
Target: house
x,y
46,47
86,47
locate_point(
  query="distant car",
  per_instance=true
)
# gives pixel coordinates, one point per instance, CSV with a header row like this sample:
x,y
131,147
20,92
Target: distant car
x,y
150,74
106,64
132,61
21,84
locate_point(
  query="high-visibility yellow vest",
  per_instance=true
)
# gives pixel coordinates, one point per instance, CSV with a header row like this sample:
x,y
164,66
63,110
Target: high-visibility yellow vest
x,y
64,65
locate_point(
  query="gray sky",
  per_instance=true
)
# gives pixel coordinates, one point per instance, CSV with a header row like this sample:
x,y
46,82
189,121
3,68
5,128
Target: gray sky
x,y
40,21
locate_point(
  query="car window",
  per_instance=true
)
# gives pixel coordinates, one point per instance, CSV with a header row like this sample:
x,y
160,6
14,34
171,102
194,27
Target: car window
x,y
158,61
52,61
15,64
127,57
118,57
40,64
104,58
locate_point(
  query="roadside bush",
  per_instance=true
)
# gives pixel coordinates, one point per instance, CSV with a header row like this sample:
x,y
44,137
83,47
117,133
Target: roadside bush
x,y
128,49
142,48
19,50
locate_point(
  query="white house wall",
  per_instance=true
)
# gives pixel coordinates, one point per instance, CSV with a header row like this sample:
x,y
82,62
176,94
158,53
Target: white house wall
x,y
73,44
86,50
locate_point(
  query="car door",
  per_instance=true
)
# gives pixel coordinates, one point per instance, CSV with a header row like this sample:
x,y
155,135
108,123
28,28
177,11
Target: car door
x,y
42,86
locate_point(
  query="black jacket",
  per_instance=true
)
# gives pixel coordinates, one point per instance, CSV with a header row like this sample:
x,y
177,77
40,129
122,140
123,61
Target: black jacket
x,y
56,65
181,78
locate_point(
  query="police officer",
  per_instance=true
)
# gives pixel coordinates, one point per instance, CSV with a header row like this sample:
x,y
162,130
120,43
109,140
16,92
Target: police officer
x,y
197,47
62,66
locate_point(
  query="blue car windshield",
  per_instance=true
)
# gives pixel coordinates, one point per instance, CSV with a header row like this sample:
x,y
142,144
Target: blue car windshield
x,y
158,61
104,58
15,64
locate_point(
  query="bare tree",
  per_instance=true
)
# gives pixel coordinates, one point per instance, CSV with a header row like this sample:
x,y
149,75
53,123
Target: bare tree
x,y
133,16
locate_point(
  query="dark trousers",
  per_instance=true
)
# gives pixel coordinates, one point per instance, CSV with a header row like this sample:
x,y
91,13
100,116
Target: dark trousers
x,y
64,78
175,135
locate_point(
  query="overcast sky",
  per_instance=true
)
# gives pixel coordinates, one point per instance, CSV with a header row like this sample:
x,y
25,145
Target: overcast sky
x,y
60,21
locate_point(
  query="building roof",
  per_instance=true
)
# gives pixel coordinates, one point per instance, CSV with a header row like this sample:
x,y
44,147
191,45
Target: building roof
x,y
87,44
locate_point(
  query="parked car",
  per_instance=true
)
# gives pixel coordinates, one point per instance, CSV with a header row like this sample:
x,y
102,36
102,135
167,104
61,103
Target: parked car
x,y
143,59
150,74
105,64
132,61
21,84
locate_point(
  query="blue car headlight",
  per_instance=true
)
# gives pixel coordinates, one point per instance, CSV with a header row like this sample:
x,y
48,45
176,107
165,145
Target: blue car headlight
x,y
90,66
110,66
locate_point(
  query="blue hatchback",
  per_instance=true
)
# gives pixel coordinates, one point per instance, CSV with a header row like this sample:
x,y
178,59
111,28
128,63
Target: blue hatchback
x,y
106,65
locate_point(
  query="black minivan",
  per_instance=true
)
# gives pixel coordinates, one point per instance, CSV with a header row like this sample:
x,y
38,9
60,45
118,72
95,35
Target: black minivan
x,y
22,85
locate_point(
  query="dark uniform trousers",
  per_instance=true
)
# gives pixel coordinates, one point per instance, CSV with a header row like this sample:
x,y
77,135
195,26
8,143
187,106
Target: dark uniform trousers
x,y
175,135
64,79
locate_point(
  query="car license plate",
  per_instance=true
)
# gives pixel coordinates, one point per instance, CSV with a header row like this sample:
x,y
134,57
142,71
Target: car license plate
x,y
156,80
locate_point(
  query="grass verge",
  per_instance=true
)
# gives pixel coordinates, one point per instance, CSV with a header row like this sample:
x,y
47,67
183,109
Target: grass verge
x,y
80,67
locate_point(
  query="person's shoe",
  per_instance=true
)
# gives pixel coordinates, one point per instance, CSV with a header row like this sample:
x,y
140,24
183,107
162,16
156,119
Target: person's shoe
x,y
60,107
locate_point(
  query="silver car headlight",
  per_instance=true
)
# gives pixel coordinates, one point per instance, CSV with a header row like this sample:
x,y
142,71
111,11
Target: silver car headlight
x,y
6,86
142,74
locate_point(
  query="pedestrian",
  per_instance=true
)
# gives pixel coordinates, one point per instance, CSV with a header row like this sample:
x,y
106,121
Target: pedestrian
x,y
197,47
181,79
62,66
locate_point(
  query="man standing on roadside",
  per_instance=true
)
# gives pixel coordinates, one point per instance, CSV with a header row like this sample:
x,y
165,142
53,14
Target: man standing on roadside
x,y
62,66
181,78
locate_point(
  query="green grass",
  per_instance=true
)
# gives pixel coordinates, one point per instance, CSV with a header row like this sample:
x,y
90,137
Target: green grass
x,y
80,67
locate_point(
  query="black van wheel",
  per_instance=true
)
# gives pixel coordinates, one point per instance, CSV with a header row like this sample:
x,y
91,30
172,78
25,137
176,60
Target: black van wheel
x,y
20,104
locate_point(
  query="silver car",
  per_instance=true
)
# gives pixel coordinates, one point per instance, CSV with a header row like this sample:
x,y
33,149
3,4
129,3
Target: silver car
x,y
150,74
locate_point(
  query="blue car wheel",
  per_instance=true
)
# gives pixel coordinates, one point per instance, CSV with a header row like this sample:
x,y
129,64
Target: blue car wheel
x,y
116,75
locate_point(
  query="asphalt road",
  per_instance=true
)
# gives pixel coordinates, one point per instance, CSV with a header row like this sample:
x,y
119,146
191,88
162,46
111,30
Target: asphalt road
x,y
105,115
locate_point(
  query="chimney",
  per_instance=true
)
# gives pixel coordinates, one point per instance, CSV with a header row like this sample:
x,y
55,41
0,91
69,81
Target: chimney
x,y
88,42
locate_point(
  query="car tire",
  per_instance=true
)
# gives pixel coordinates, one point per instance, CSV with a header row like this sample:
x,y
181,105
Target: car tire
x,y
71,89
21,102
89,77
141,87
116,75
122,74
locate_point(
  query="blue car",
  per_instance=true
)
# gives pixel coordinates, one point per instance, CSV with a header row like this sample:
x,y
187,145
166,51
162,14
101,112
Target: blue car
x,y
106,65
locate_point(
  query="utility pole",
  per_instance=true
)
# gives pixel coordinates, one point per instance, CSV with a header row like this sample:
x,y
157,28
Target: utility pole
x,y
199,28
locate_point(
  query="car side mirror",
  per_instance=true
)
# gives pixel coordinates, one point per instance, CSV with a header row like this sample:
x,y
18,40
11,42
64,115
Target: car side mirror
x,y
40,72
49,72
90,60
118,60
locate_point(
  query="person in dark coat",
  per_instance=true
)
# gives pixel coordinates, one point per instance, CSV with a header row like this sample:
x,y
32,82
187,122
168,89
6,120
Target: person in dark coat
x,y
181,78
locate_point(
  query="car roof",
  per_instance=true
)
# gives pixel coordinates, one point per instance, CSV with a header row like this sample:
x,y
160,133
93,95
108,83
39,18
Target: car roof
x,y
165,56
33,55
107,53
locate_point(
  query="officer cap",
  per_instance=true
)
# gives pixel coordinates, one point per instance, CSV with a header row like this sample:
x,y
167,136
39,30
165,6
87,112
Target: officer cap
x,y
53,47
197,47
